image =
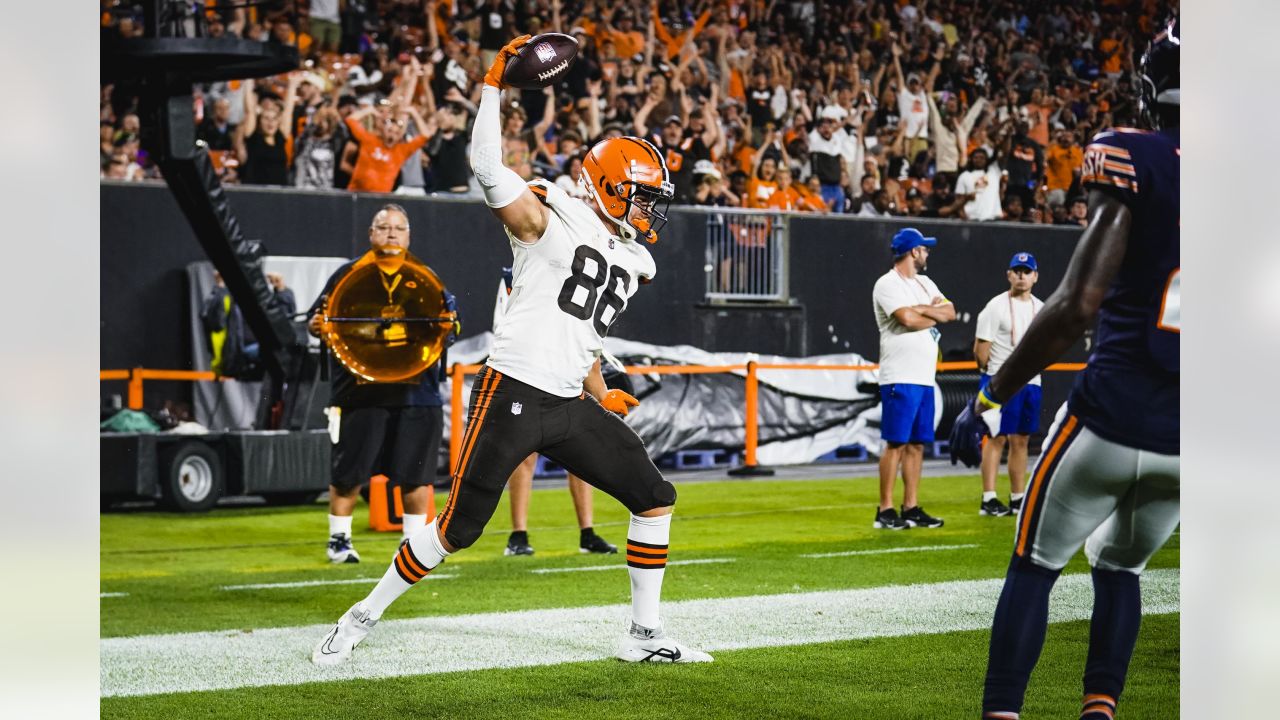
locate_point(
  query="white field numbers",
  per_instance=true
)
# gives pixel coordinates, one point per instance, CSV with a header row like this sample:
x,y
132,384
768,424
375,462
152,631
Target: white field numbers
x,y
1171,303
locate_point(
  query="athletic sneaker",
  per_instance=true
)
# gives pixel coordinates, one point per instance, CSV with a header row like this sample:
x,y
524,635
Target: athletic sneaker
x,y
888,520
645,645
994,508
1015,506
917,517
518,544
341,550
593,543
336,646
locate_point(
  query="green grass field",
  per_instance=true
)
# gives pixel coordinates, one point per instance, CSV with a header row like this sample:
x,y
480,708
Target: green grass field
x,y
170,571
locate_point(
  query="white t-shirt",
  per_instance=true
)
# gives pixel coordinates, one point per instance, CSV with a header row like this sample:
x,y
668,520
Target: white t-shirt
x,y
914,109
325,10
985,186
906,356
566,290
1003,323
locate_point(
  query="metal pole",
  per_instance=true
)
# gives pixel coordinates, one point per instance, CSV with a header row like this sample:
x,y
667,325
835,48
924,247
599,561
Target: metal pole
x,y
749,466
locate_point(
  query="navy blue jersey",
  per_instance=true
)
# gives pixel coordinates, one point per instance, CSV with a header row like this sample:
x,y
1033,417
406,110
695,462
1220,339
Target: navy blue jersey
x,y
1129,392
347,391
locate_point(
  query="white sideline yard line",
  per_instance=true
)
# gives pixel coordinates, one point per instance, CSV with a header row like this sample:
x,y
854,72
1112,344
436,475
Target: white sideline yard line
x,y
188,662
886,551
314,583
113,595
699,561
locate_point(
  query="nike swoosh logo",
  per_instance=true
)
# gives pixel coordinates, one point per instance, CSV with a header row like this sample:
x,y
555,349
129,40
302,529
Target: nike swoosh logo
x,y
671,655
327,647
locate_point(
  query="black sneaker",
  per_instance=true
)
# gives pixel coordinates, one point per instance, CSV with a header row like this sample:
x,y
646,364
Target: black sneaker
x,y
888,520
1015,506
917,517
592,543
994,508
518,544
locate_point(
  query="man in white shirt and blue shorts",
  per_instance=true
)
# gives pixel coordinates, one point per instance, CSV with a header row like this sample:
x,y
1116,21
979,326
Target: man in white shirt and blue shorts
x,y
908,308
1001,326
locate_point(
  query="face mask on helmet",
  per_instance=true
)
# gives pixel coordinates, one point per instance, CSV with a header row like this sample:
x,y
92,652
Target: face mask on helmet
x,y
647,209
1158,77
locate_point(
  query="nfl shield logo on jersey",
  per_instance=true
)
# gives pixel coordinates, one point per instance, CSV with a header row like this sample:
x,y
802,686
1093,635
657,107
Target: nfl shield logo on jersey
x,y
516,408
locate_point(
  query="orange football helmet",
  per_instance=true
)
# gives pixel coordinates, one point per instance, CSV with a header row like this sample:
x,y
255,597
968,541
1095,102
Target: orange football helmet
x,y
625,172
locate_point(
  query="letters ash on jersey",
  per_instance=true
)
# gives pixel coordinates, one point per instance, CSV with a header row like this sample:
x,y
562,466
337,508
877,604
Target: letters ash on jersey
x,y
1129,392
567,289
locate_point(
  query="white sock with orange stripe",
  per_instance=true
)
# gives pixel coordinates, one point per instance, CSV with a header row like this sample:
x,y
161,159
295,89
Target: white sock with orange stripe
x,y
647,540
415,558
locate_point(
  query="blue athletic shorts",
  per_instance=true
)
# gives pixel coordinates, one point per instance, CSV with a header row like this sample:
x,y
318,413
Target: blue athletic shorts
x,y
1020,415
906,413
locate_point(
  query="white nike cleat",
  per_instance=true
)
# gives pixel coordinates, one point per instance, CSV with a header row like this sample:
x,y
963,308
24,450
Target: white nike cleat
x,y
646,645
338,643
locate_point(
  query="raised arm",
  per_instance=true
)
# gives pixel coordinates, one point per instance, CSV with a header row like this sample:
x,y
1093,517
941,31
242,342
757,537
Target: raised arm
x,y
641,119
290,100
506,194
250,123
936,69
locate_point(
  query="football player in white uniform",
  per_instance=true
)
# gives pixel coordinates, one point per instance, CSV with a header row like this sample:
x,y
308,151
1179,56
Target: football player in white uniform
x,y
577,263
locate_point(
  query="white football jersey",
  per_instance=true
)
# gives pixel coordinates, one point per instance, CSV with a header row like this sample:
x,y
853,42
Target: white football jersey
x,y
567,289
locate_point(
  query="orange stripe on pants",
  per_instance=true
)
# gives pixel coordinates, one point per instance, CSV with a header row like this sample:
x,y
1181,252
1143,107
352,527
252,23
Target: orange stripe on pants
x,y
1030,508
486,392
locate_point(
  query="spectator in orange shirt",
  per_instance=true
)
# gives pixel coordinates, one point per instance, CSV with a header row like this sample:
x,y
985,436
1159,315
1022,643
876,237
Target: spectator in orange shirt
x,y
1062,166
675,43
764,181
627,41
381,155
788,196
1111,51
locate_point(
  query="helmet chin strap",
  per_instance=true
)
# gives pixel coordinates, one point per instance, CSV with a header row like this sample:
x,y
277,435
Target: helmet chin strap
x,y
625,231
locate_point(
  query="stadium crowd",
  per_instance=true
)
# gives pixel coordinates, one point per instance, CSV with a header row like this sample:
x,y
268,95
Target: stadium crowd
x,y
971,109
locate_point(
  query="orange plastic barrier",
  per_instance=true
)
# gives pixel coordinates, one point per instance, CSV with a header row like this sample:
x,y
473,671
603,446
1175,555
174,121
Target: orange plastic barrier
x,y
386,505
458,374
137,376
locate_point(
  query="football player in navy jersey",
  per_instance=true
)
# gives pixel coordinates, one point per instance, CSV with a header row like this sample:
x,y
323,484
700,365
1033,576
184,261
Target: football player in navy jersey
x,y
1108,478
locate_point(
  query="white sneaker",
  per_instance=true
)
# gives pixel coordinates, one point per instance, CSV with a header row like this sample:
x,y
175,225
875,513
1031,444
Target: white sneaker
x,y
341,550
337,645
645,645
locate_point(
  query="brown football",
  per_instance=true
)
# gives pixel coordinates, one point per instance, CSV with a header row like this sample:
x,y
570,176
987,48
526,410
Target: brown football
x,y
542,61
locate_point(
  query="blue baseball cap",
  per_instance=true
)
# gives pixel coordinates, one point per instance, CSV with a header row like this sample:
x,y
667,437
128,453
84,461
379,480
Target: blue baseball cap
x,y
908,238
1024,260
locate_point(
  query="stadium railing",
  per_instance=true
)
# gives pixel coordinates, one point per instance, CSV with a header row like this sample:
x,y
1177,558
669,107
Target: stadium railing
x,y
746,255
458,372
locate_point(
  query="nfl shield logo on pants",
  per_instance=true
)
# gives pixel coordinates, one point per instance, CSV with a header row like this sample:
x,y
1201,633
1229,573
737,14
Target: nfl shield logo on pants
x,y
516,408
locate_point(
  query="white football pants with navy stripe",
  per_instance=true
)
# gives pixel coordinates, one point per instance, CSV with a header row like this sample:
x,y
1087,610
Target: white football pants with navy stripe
x,y
1121,503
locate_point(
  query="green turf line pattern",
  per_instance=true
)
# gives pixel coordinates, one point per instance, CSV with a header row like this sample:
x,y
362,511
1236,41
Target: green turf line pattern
x,y
888,551
186,662
315,583
621,566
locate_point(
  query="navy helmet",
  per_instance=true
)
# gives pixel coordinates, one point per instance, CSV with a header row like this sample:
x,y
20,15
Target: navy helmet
x,y
1158,74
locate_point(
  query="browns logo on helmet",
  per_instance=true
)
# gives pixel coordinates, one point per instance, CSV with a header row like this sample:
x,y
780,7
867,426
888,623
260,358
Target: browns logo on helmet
x,y
626,173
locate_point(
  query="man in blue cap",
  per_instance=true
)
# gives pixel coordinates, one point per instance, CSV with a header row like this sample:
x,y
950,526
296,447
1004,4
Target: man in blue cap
x,y
1001,326
908,308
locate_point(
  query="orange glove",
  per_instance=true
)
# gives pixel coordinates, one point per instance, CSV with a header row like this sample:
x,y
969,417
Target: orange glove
x,y
494,76
617,401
